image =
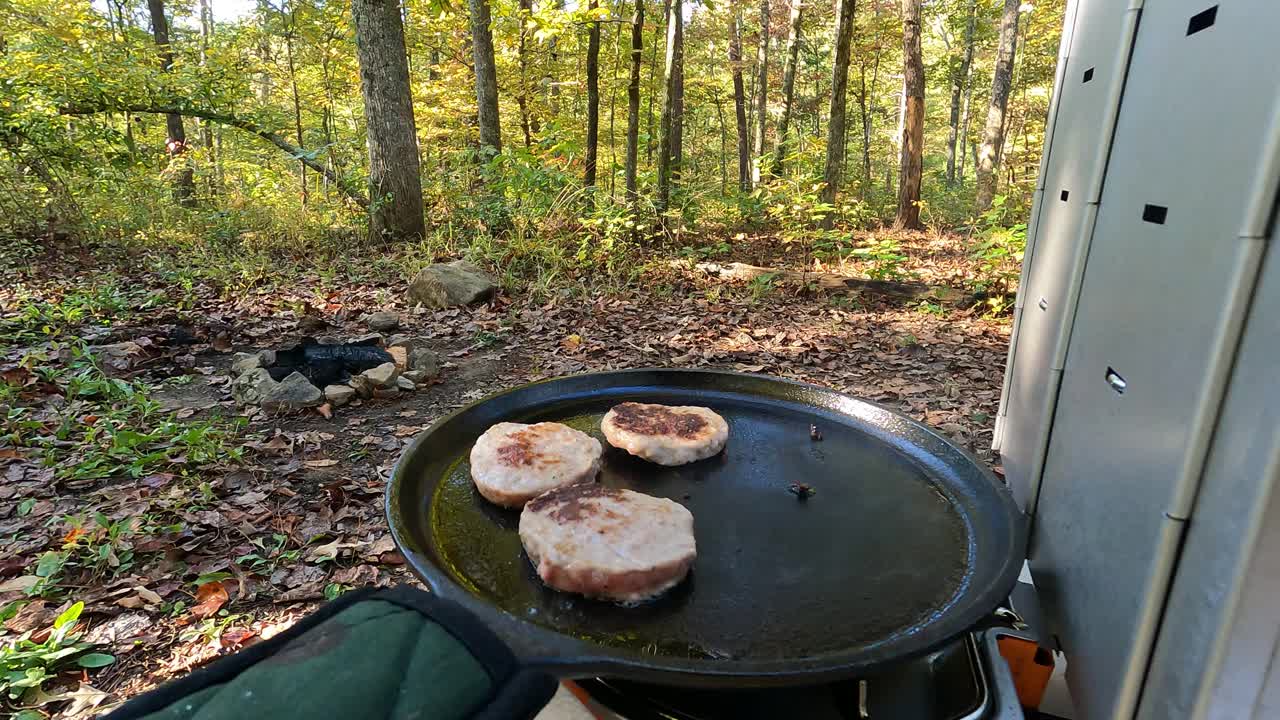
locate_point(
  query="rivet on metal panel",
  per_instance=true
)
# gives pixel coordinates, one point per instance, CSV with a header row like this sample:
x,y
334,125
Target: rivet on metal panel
x,y
1202,20
1088,75
1044,304
1116,382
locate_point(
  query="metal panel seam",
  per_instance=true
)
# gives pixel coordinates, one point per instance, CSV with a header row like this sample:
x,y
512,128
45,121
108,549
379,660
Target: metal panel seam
x,y
1212,392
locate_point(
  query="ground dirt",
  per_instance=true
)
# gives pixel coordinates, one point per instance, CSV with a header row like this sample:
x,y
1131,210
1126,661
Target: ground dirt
x,y
305,496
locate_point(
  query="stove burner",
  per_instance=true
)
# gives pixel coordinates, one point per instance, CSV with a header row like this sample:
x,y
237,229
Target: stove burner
x,y
949,684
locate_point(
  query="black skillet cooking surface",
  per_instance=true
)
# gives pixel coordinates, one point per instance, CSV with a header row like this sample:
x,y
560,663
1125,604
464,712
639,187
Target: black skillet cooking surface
x,y
906,543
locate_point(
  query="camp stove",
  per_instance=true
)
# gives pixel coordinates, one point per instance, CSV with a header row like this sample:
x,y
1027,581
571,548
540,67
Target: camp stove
x,y
959,682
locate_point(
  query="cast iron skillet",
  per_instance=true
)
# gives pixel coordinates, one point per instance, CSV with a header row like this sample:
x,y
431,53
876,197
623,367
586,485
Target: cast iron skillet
x,y
907,543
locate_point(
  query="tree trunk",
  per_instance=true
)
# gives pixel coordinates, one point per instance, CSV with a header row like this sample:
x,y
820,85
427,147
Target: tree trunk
x,y
297,101
739,102
633,106
670,126
762,89
653,90
958,88
522,98
593,98
963,141
184,182
993,132
835,124
788,85
395,185
912,165
724,151
486,73
206,33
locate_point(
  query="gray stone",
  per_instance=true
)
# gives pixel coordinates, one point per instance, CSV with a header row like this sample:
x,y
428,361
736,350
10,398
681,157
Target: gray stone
x,y
249,388
339,395
425,361
366,339
293,393
399,339
390,392
447,284
242,363
383,321
362,385
382,376
416,376
405,383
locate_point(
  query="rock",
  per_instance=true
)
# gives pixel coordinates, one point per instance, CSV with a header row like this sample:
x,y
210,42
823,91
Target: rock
x,y
295,392
362,385
383,321
447,284
339,395
382,376
387,392
366,339
405,383
399,339
244,362
425,361
416,376
249,388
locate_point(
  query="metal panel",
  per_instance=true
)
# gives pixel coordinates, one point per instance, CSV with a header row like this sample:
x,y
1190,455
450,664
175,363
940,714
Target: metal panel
x,y
1089,95
1158,315
1221,627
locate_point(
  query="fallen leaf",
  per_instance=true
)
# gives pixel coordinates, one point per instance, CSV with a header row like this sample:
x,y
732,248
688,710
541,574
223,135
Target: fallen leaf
x,y
327,462
236,637
407,430
210,597
325,411
7,454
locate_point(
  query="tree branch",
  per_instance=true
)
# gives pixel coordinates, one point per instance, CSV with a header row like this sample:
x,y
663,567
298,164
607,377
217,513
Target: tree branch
x,y
297,153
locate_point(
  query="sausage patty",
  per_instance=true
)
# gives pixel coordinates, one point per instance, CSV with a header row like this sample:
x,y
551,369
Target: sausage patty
x,y
513,463
665,434
607,543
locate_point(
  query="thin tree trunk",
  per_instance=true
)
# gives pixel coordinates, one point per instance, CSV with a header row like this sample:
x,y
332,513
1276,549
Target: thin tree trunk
x,y
724,150
613,97
788,86
739,102
963,141
593,98
835,123
958,88
993,131
184,182
633,107
670,126
653,89
297,102
912,165
206,136
522,98
762,89
395,185
486,73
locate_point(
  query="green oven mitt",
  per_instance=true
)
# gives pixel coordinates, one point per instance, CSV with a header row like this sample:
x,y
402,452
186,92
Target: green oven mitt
x,y
398,653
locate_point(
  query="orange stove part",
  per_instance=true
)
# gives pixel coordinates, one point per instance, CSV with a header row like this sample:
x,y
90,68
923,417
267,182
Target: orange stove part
x,y
1031,667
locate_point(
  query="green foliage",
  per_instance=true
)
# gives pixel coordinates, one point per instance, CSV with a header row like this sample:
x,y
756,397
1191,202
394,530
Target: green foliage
x,y
881,258
999,257
27,665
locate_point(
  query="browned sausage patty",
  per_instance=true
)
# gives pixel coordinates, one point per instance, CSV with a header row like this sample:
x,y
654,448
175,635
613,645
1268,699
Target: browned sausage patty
x,y
608,543
665,434
512,463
